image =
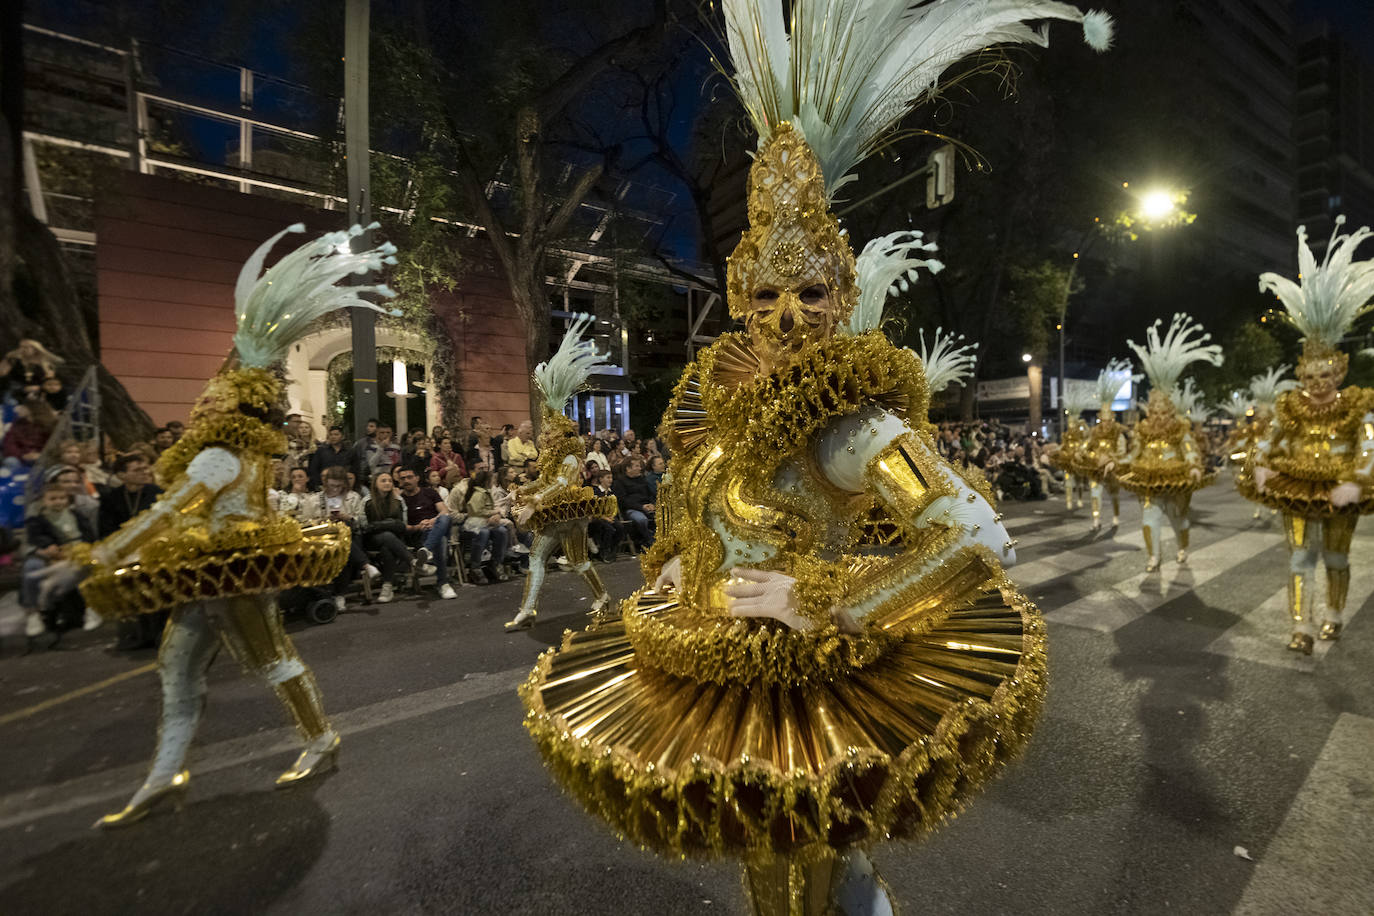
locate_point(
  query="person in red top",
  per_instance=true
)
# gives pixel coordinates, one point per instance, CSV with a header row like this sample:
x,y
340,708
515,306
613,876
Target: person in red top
x,y
25,438
445,459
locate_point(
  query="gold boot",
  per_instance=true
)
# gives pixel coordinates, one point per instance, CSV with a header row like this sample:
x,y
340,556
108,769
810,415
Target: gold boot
x,y
521,621
1301,642
1337,587
1331,629
173,793
311,762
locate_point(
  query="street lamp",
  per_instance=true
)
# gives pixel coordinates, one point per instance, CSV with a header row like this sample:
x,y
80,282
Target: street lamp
x,y
1160,208
401,393
1026,357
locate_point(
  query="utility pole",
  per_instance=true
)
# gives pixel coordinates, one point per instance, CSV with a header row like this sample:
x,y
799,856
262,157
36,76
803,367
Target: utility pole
x,y
365,400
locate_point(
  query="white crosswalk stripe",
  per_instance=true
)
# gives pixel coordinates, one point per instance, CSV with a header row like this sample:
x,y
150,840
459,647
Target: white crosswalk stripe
x,y
1110,609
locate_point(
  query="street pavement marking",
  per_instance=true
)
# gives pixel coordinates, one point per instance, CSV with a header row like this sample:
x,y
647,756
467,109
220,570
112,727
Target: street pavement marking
x,y
1318,860
1261,634
40,802
1109,609
15,716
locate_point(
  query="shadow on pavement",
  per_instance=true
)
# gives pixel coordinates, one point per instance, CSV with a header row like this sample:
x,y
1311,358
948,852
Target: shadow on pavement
x,y
229,854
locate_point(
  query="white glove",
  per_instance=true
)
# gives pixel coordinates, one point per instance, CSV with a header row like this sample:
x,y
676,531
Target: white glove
x,y
1261,477
670,576
1345,494
59,579
755,593
523,515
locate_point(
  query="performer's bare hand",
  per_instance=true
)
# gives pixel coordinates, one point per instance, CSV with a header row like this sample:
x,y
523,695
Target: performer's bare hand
x,y
670,576
1345,494
1262,475
523,515
756,593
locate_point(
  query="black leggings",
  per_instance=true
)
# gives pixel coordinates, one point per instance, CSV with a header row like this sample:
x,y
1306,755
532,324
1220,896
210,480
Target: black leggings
x,y
392,553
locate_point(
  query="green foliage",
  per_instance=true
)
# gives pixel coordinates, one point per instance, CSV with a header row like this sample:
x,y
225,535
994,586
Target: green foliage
x,y
1249,350
1036,293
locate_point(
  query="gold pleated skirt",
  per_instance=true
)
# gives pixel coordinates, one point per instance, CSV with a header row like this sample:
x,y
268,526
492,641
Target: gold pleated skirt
x,y
1295,496
313,559
586,504
760,770
1167,481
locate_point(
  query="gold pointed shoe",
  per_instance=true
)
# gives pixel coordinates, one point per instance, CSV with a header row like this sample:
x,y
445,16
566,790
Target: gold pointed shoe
x,y
1152,565
311,763
521,621
1183,558
1331,629
1301,642
173,793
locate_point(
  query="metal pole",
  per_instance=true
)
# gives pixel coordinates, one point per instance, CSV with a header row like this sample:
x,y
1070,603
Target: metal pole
x,y
359,206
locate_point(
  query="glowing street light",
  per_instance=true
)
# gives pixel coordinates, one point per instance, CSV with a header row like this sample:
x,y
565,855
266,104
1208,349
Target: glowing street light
x,y
1157,205
1026,357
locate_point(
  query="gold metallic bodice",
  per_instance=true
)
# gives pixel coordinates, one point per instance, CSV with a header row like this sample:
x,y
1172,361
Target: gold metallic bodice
x,y
1103,442
1320,443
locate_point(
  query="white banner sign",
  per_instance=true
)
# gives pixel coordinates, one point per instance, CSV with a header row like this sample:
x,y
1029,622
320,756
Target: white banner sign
x,y
1004,389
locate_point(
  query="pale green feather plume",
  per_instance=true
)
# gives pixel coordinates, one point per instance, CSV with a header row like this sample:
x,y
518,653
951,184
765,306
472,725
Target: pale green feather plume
x,y
945,363
561,375
1333,294
1079,400
1266,387
885,267
1110,380
1237,406
845,72
276,308
1188,401
1165,358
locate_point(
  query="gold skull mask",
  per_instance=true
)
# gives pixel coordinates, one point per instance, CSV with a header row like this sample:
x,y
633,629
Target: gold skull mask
x,y
791,279
1321,369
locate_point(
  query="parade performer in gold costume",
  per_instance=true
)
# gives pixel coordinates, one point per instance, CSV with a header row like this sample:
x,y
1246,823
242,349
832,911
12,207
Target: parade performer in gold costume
x,y
1070,457
777,693
1315,461
1252,411
1165,466
211,550
1106,445
557,506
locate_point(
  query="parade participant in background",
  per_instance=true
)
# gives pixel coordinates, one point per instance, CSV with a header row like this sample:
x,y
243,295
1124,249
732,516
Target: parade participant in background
x,y
1315,461
1104,451
556,505
775,694
1072,445
1252,426
1165,465
210,549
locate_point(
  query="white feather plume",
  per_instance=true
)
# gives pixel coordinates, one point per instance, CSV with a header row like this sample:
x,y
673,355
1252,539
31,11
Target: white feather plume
x,y
1077,400
1110,380
1236,406
561,375
1266,387
1165,358
1333,294
887,266
944,362
1188,401
845,72
274,309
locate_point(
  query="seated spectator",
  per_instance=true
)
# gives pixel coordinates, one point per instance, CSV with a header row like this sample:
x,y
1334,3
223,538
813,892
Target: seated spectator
x,y
369,437
25,367
337,503
656,468
27,435
488,530
83,503
427,526
596,453
498,444
50,532
604,534
73,455
178,429
480,450
419,457
635,496
300,441
382,454
163,440
589,471
96,473
297,500
384,531
335,452
54,393
521,447
530,472
457,486
133,492
446,459
435,481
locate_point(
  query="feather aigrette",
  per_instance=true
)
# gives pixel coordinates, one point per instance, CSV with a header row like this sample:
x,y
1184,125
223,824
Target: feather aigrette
x,y
1165,358
1333,294
845,72
1236,406
1266,387
1110,380
886,266
1079,400
561,375
274,309
1188,401
943,362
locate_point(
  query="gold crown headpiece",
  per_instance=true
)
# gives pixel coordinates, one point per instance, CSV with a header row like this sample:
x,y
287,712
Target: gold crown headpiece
x,y
793,240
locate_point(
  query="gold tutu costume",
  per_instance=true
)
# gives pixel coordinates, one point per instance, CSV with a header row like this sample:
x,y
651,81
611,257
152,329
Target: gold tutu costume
x,y
1320,448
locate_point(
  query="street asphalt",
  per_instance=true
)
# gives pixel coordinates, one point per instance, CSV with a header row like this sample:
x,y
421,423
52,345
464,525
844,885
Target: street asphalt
x,y
1185,763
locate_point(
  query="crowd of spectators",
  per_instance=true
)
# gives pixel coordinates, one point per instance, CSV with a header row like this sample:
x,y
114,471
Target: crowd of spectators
x,y
419,504
1016,464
